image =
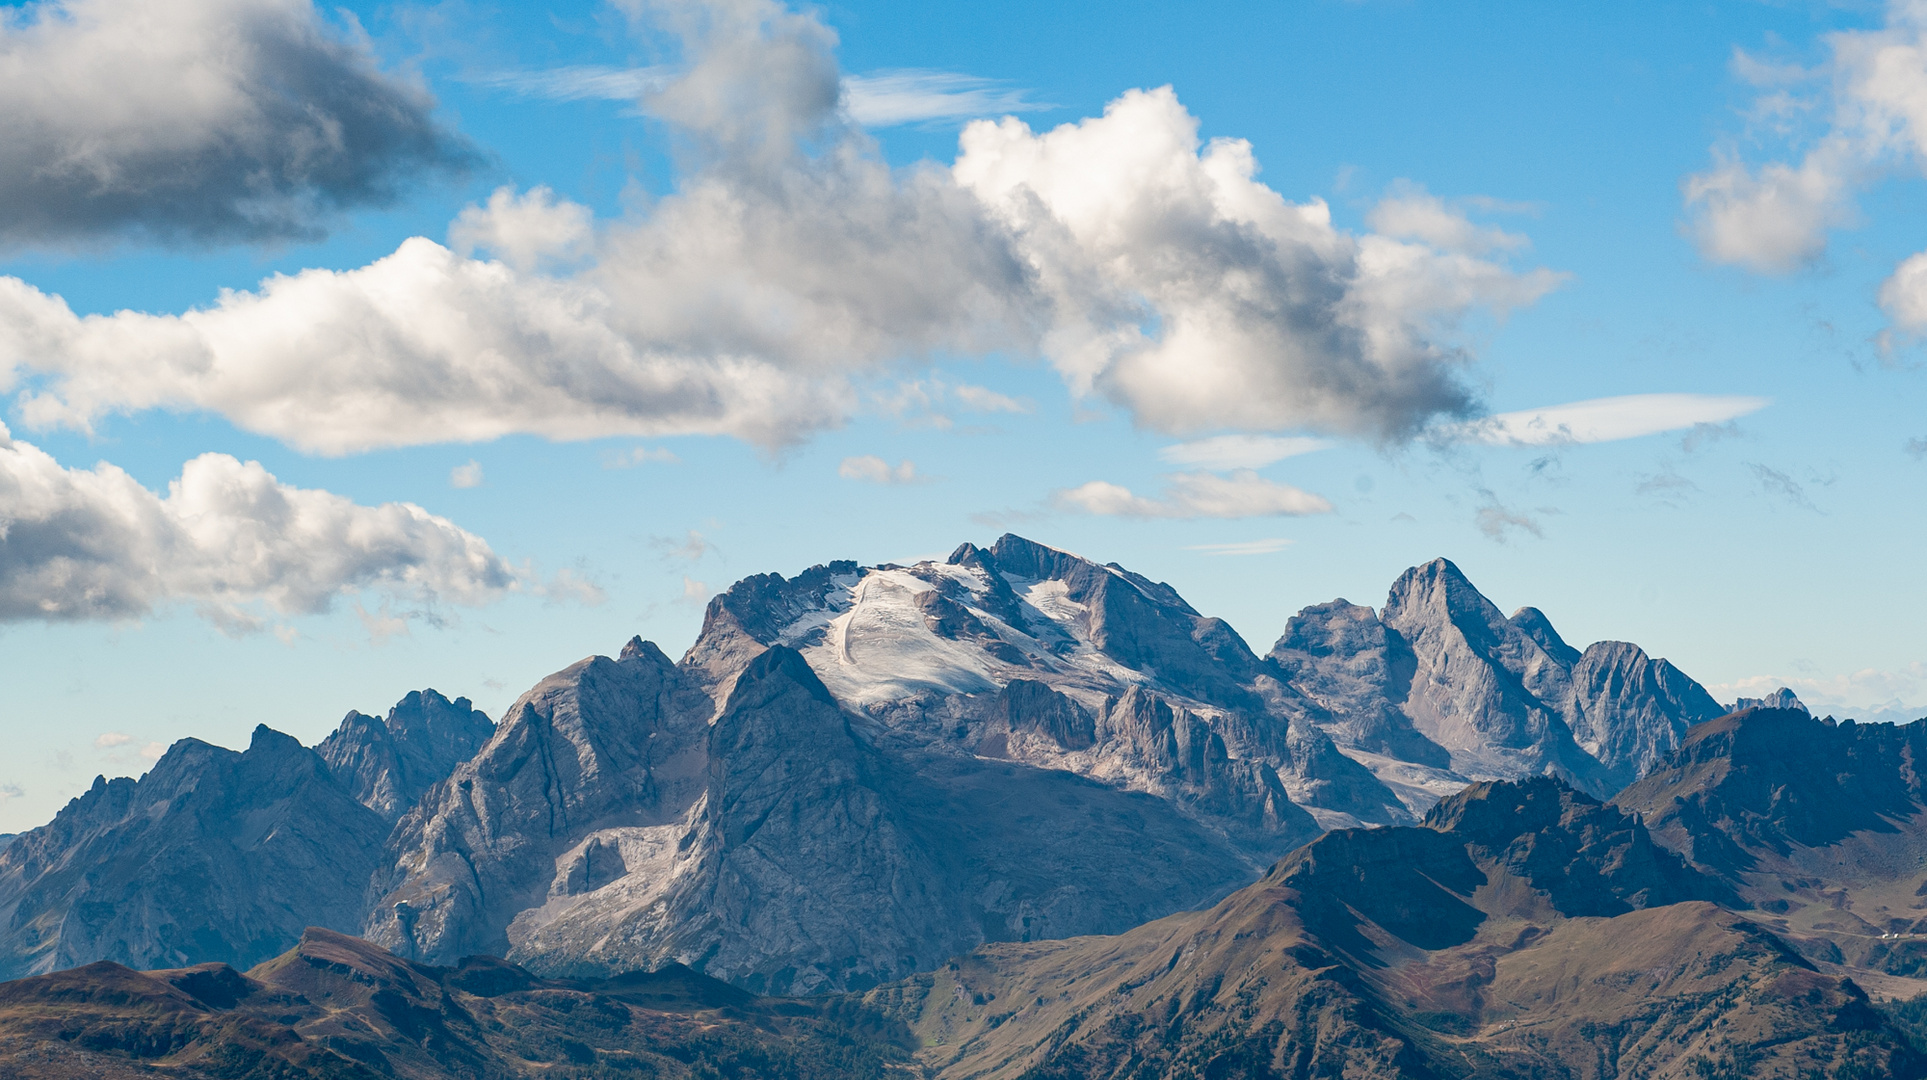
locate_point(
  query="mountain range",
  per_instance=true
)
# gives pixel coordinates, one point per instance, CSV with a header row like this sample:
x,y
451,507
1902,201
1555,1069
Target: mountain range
x,y
1440,839
851,775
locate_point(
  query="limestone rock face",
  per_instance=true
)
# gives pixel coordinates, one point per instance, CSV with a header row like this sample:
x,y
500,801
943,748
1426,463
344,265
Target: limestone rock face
x,y
601,743
389,764
212,856
1439,689
824,854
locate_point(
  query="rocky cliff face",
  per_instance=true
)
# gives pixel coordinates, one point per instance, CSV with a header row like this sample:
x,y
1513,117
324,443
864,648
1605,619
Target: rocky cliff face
x,y
815,850
1527,931
390,764
1440,689
213,855
222,856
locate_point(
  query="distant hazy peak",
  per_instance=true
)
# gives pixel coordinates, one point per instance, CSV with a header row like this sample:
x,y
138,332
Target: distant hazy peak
x,y
1782,698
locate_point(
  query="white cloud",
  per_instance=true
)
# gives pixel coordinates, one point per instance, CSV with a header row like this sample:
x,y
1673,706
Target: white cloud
x,y
1610,419
1147,267
638,455
227,538
693,592
1871,92
11,791
1196,297
1242,494
582,82
1240,451
198,120
111,739
875,470
525,231
908,96
466,476
876,100
1870,694
1270,546
1412,213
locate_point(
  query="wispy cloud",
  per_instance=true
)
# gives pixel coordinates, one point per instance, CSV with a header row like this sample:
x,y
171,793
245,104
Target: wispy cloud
x,y
873,469
1610,419
638,455
1242,494
466,476
912,96
1270,546
1498,521
581,82
1239,451
879,99
1774,482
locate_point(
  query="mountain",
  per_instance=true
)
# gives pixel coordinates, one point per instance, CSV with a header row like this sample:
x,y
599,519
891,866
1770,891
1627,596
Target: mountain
x,y
219,855
851,774
791,845
337,1008
1438,689
1525,931
1820,828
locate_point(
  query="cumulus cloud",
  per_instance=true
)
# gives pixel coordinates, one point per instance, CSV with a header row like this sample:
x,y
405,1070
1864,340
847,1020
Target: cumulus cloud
x,y
1196,297
227,538
1610,419
1498,521
198,120
111,739
1871,92
525,230
875,470
1147,267
1241,494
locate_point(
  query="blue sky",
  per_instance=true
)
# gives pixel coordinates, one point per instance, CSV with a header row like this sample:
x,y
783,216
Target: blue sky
x,y
1575,202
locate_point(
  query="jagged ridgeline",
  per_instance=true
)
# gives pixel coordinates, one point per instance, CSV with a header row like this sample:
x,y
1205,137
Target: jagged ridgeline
x,y
852,776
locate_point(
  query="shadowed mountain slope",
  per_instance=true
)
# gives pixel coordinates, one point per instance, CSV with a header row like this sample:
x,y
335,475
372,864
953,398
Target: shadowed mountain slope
x,y
338,1008
1527,931
1821,828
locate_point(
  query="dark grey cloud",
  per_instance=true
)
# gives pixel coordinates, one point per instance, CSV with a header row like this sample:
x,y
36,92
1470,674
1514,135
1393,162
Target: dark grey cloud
x,y
199,121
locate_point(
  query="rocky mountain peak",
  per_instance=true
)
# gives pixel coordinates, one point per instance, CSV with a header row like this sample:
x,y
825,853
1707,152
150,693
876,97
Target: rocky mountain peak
x,y
1534,624
389,764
